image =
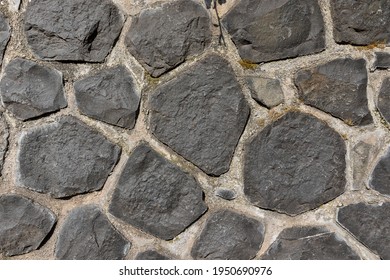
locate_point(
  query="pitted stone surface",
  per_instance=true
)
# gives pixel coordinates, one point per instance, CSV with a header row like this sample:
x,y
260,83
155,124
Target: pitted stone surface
x,y
162,38
271,30
382,60
5,33
156,196
294,165
370,224
23,224
380,177
229,236
65,158
151,255
309,243
4,133
201,114
72,30
384,99
29,90
265,91
87,234
109,96
338,87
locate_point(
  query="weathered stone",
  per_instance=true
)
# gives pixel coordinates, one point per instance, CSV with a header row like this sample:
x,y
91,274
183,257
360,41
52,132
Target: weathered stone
x,y
226,194
384,99
156,196
380,177
382,60
229,236
109,96
294,165
265,91
360,22
151,255
23,225
29,90
338,87
72,30
201,114
65,158
161,38
370,224
271,30
3,140
5,34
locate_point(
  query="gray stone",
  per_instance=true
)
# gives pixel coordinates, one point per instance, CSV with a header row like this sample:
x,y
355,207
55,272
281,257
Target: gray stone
x,y
370,224
5,34
29,90
229,236
161,38
382,60
294,165
24,225
87,234
338,87
65,158
156,196
265,91
151,255
226,194
109,96
201,114
384,99
3,140
380,177
266,30
309,243
72,30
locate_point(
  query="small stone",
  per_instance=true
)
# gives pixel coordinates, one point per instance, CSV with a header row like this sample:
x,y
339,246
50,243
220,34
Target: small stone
x,y
384,99
265,91
162,38
3,140
24,224
65,158
382,60
226,194
151,255
156,196
29,90
87,234
5,34
109,96
380,177
338,87
229,236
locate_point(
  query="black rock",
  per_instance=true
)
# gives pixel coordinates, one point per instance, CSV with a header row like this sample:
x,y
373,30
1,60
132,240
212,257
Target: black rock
x,y
380,177
151,255
382,60
265,91
226,194
5,34
384,99
3,140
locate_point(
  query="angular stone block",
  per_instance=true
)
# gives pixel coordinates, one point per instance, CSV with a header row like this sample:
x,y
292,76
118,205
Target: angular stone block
x,y
384,99
380,177
5,34
382,60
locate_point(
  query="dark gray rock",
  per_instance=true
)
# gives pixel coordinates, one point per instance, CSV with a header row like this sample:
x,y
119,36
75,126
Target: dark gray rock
x,y
65,158
309,243
5,34
380,177
229,236
226,194
72,30
266,30
294,165
370,224
384,99
156,196
109,96
382,60
29,90
3,140
265,91
338,87
360,22
201,114
23,224
151,255
161,38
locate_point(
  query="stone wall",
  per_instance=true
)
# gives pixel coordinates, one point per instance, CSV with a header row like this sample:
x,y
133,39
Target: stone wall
x,y
138,129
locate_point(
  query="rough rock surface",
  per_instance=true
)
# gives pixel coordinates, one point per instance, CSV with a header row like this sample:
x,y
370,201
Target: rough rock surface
x,y
382,60
4,133
380,177
156,196
151,255
384,99
5,33
265,91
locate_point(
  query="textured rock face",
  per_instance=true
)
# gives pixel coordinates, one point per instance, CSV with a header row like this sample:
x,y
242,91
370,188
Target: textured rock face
x,y
384,99
5,33
382,60
72,30
4,133
380,177
156,196
162,38
151,255
266,92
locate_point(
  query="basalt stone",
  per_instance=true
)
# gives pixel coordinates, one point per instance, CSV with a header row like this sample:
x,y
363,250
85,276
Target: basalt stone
x,y
226,194
338,87
384,99
5,34
65,158
201,114
370,224
265,91
229,236
156,196
151,255
29,90
3,140
24,224
294,165
109,96
272,30
382,60
380,177
161,38
72,30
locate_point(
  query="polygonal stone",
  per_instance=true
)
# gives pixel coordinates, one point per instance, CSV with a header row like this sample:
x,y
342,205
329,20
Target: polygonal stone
x,y
24,224
87,234
3,140
229,236
265,91
161,38
29,90
380,177
65,158
201,114
72,30
294,165
382,60
151,255
271,30
338,87
109,96
309,243
384,99
5,33
155,196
